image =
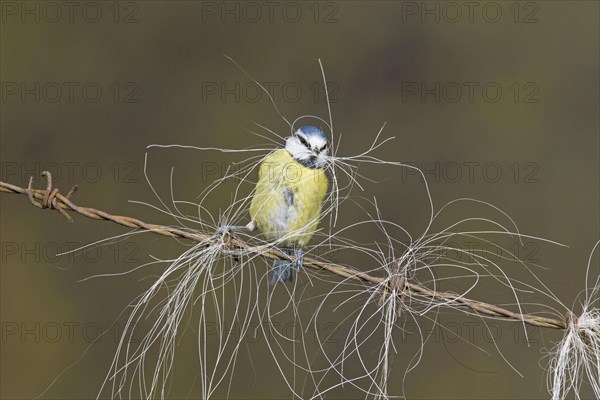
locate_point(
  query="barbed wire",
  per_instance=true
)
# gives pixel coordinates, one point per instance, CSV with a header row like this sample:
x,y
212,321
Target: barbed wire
x,y
52,199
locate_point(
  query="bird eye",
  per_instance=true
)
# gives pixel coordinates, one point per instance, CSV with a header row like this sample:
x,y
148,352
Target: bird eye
x,y
303,141
325,146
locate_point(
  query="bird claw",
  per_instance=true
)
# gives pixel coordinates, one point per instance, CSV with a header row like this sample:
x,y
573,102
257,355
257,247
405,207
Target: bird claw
x,y
299,259
223,230
228,229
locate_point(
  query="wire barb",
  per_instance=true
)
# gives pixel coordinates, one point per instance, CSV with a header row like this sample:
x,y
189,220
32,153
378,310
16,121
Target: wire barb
x,y
50,196
398,285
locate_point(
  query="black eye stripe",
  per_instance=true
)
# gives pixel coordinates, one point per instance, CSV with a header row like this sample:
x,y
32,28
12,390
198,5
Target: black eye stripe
x,y
302,140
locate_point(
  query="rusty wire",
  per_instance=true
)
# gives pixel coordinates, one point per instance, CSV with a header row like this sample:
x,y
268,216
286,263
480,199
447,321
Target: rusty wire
x,y
52,199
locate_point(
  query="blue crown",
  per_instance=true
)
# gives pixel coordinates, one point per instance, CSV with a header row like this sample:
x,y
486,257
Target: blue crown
x,y
312,131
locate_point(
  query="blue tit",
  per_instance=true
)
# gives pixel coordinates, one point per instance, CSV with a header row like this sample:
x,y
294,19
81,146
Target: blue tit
x,y
287,202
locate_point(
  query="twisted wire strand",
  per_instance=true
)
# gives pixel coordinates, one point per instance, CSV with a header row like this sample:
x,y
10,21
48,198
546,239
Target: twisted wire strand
x,y
54,200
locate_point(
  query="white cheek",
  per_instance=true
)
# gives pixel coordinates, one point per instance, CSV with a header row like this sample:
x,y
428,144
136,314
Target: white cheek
x,y
296,149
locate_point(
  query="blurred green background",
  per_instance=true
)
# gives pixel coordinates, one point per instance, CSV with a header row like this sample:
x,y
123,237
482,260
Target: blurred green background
x,y
86,87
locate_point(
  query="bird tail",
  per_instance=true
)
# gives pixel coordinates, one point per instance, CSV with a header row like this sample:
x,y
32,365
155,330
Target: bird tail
x,y
282,271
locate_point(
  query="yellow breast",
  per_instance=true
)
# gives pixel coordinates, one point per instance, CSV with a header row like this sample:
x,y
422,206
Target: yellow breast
x,y
288,199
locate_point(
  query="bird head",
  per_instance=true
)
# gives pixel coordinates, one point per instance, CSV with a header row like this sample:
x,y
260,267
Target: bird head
x,y
309,146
